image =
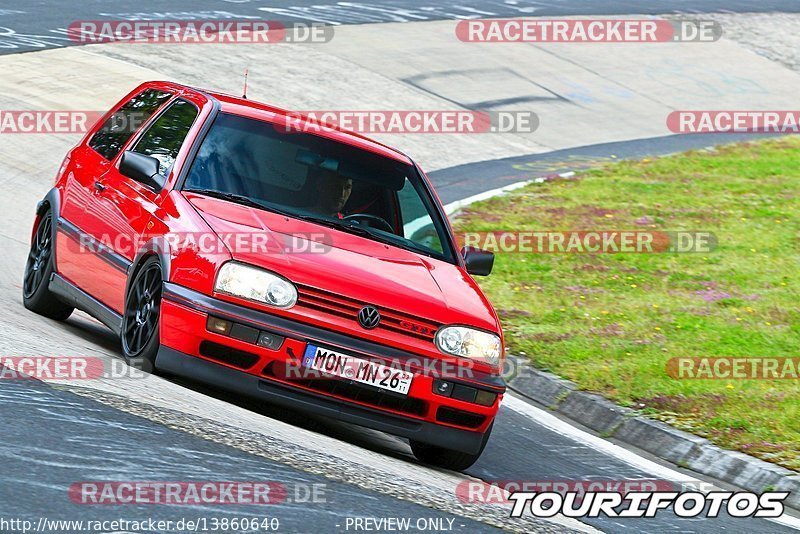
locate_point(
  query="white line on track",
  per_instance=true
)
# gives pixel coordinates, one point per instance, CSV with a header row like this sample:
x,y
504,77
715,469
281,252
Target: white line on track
x,y
565,429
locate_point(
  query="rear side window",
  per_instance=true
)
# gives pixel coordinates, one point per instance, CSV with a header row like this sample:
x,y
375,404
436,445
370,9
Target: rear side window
x,y
121,126
163,140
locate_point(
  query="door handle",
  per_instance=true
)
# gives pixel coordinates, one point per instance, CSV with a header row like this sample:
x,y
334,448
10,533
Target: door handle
x,y
99,186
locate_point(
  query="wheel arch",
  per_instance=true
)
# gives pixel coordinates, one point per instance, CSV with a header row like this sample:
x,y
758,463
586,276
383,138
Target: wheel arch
x,y
51,201
157,247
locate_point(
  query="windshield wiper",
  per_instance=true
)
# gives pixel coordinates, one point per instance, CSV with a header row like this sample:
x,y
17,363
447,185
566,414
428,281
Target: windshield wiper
x,y
347,226
233,197
239,199
366,231
331,223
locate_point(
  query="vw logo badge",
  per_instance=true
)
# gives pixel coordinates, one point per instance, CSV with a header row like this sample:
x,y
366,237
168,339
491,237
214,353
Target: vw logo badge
x,y
369,317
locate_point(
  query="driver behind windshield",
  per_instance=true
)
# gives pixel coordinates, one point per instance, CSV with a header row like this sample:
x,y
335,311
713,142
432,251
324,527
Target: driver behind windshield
x,y
332,192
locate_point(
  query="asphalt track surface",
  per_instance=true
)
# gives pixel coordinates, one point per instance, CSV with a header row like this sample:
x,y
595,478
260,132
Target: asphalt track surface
x,y
51,436
90,448
69,438
40,24
464,181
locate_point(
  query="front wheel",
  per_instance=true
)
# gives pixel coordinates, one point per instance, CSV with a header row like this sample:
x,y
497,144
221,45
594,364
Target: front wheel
x,y
448,458
140,338
36,295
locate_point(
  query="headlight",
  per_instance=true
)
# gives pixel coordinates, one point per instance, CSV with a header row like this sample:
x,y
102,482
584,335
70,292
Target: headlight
x,y
252,283
469,343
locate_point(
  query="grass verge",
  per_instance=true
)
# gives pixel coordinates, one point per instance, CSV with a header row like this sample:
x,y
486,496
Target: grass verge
x,y
611,322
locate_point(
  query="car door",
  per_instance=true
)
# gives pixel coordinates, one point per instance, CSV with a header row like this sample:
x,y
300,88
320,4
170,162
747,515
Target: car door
x,y
82,244
130,206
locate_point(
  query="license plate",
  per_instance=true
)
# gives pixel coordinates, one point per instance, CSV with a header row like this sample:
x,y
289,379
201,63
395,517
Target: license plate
x,y
358,370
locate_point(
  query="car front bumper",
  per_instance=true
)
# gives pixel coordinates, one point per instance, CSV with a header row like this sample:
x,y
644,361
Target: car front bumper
x,y
184,313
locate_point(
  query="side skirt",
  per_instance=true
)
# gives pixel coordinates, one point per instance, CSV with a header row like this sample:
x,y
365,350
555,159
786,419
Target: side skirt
x,y
75,296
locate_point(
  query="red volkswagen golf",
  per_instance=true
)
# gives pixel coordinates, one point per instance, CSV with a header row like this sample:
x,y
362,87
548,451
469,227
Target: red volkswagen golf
x,y
258,251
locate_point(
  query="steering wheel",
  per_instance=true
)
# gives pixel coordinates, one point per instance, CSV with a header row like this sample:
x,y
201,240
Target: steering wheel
x,y
382,224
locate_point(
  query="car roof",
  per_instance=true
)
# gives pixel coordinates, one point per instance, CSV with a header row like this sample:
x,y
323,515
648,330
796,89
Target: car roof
x,y
258,110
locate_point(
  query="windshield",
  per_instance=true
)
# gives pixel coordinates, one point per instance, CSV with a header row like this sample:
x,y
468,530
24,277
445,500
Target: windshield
x,y
309,177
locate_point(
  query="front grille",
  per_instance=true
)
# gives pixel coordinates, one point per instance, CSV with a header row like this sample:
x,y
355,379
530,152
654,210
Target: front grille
x,y
345,307
350,391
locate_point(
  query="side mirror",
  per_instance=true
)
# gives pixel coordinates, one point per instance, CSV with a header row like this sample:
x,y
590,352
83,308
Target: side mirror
x,y
479,262
143,169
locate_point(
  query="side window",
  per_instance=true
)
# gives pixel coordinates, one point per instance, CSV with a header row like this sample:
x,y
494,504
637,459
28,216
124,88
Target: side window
x,y
164,138
125,122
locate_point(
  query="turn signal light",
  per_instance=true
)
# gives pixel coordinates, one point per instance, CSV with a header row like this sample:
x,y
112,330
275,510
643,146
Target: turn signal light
x,y
248,334
219,326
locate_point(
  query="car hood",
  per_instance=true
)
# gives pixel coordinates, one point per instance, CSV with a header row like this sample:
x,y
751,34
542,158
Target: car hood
x,y
350,265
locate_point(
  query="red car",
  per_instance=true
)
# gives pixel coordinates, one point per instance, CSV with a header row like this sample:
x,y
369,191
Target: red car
x,y
256,250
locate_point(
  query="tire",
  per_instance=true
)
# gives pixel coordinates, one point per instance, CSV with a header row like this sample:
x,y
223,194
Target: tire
x,y
36,295
447,458
140,322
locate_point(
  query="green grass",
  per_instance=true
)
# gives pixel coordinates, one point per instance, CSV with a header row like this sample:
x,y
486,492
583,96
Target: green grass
x,y
610,322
